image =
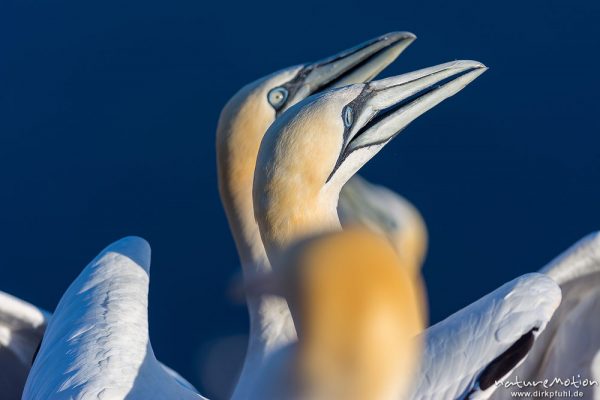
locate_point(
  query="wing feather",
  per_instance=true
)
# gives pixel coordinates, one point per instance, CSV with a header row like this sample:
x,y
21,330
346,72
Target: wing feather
x,y
97,345
571,342
460,348
22,326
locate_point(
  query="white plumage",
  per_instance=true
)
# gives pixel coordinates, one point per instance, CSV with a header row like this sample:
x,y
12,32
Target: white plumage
x,y
22,326
570,345
97,345
459,348
242,125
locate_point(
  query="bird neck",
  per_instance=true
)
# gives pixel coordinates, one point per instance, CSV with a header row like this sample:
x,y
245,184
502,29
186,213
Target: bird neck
x,y
271,325
241,127
292,214
271,328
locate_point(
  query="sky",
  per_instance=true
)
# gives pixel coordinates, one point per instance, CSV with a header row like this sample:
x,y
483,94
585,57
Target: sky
x,y
108,113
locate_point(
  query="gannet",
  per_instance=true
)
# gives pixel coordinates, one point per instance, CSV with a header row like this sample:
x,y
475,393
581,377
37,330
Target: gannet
x,y
311,151
22,326
315,147
96,344
242,124
356,310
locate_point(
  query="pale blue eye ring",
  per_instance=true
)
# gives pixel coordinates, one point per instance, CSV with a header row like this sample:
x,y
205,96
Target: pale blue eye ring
x,y
277,97
348,117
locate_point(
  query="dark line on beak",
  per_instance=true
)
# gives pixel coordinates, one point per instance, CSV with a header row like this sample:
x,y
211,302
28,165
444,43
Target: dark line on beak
x,y
298,80
355,67
357,103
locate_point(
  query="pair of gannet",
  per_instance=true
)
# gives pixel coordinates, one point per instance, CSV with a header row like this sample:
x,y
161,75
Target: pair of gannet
x,y
238,140
242,125
321,204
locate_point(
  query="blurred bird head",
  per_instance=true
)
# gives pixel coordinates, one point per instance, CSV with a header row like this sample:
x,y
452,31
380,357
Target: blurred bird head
x,y
309,152
356,310
246,117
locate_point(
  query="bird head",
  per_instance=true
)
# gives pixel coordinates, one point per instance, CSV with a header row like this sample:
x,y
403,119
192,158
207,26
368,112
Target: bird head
x,y
270,96
309,152
246,117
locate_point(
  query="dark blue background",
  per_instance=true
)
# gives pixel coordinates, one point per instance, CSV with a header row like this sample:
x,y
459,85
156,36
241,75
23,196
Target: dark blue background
x,y
107,121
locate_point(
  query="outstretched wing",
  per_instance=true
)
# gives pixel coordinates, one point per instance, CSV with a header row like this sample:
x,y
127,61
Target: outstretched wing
x,y
386,212
469,352
97,343
570,345
22,326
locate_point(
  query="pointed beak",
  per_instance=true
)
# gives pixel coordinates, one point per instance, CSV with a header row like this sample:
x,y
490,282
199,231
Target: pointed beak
x,y
356,65
387,106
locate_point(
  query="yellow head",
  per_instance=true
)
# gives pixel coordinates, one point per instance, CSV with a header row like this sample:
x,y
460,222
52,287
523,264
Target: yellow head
x,y
309,153
246,117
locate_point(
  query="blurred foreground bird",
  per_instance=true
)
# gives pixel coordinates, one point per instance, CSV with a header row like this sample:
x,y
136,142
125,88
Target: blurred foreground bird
x,y
242,125
357,311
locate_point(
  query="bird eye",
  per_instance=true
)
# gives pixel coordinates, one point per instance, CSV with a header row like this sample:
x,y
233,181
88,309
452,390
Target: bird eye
x,y
348,117
277,97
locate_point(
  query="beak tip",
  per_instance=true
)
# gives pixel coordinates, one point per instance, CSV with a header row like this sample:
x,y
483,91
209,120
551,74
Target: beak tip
x,y
482,68
468,65
405,35
400,36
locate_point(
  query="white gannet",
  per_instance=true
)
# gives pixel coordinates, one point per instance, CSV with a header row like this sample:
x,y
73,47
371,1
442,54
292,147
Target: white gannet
x,y
242,124
313,149
22,326
356,310
570,345
96,344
